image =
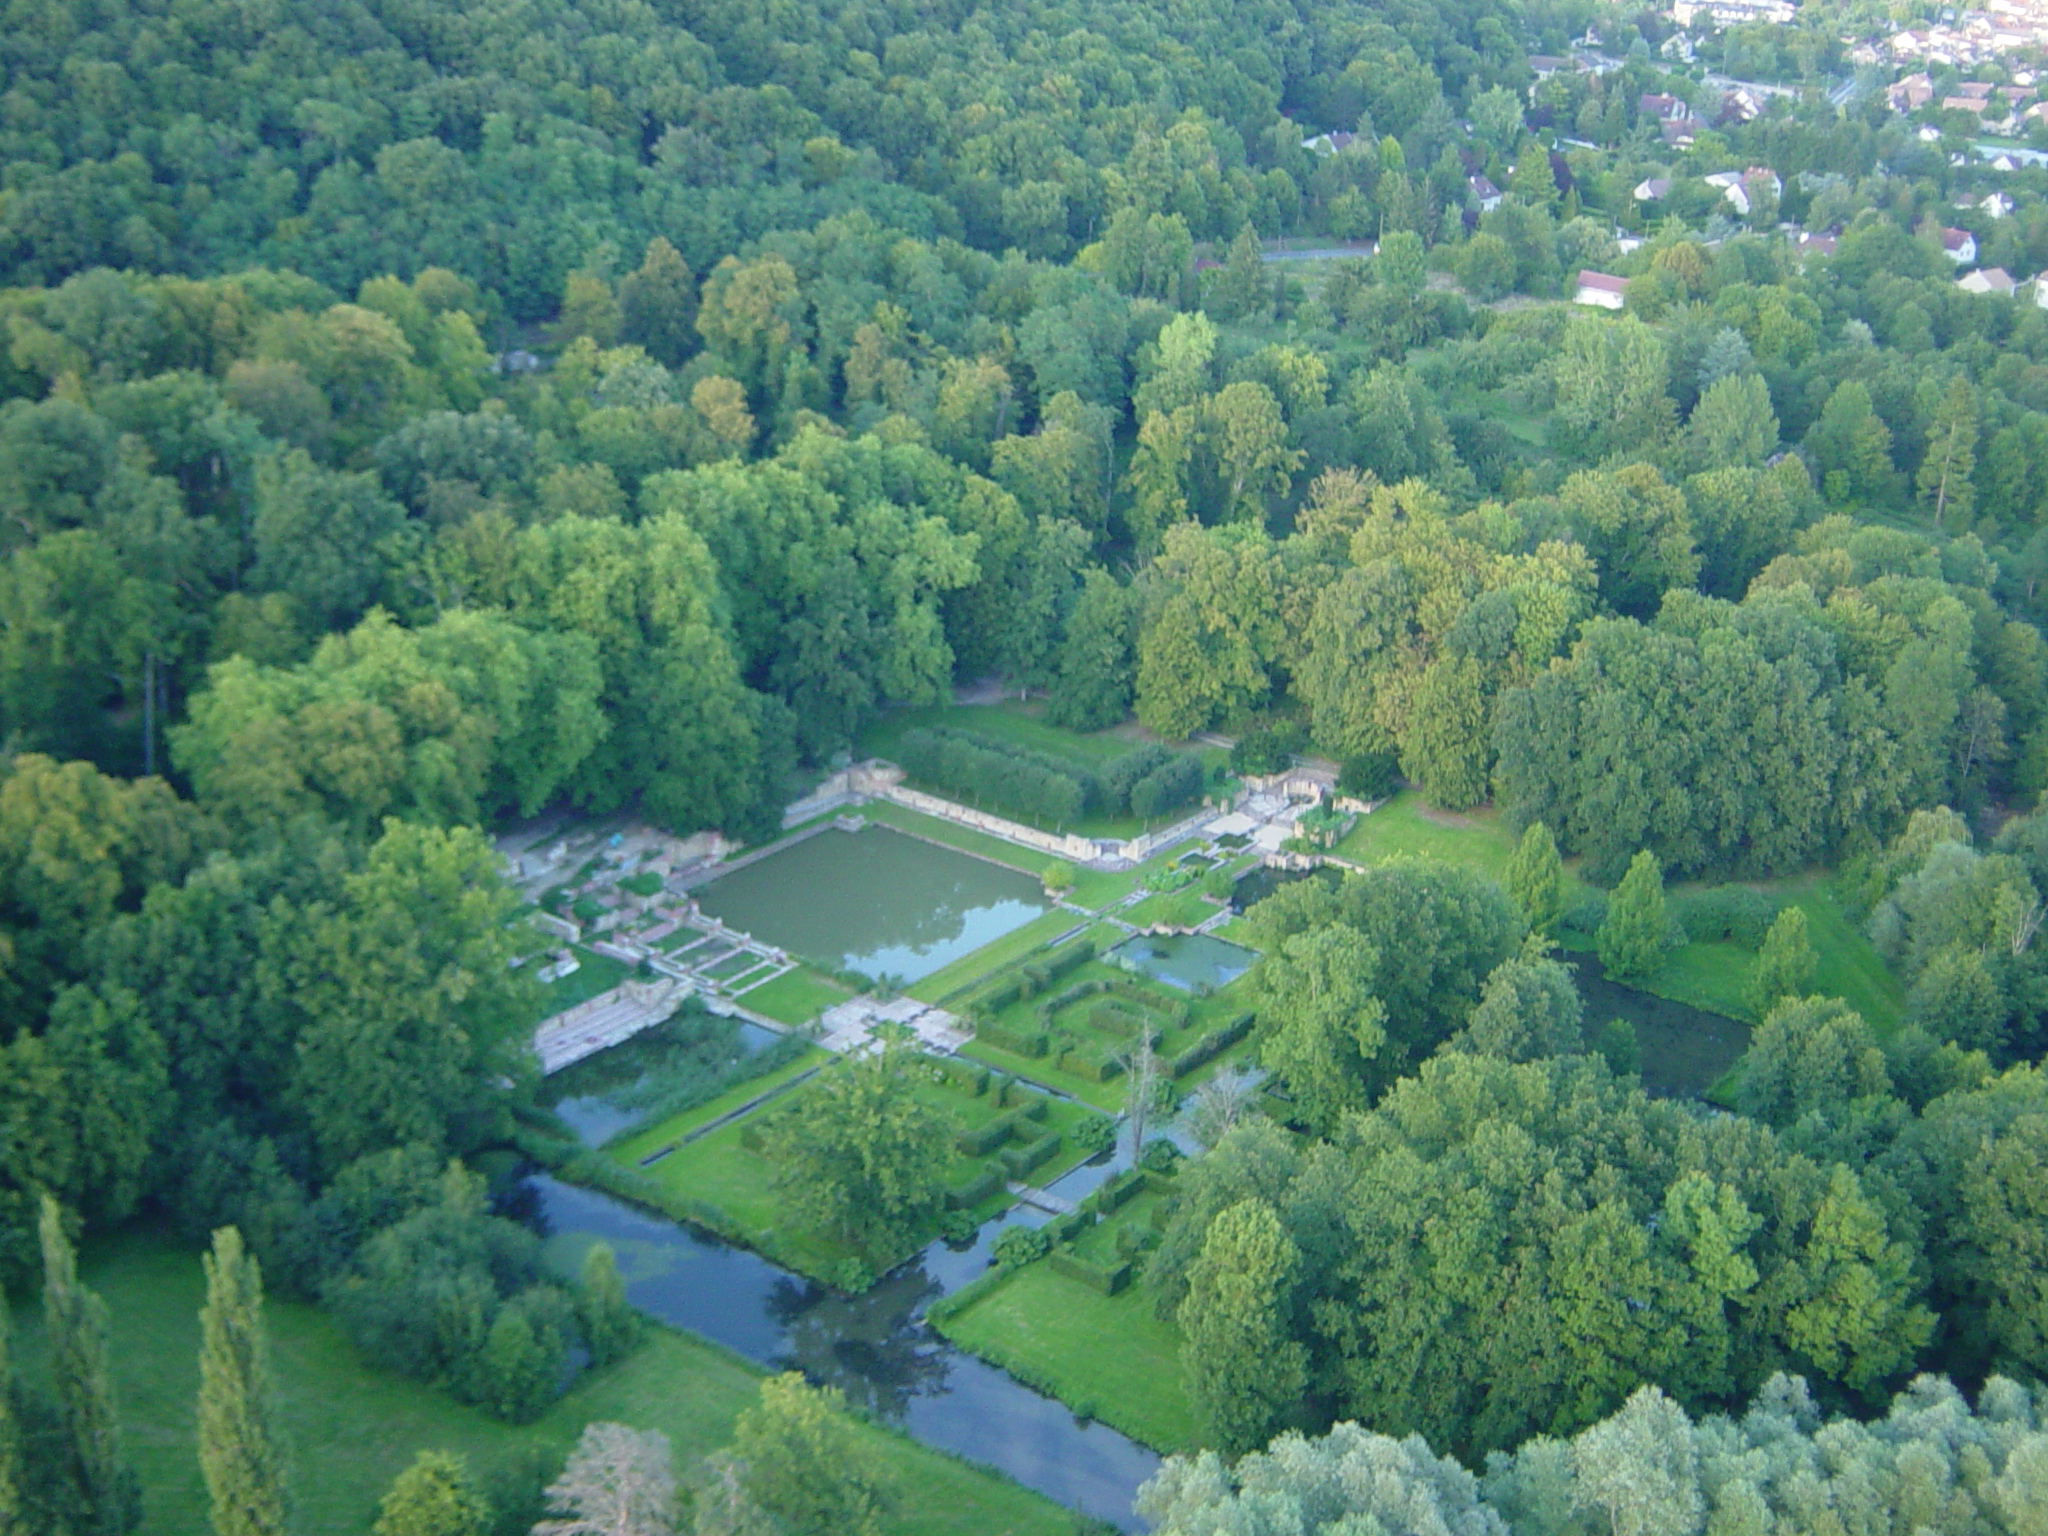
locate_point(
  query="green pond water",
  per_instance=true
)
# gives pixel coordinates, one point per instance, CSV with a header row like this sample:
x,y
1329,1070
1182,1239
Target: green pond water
x,y
875,901
1185,960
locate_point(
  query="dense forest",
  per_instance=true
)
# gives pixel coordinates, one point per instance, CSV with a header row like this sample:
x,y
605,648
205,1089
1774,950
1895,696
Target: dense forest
x,y
413,419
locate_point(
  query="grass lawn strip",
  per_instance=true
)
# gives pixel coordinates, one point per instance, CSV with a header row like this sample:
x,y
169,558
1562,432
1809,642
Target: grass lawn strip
x,y
330,1402
1110,1355
998,953
795,997
668,1132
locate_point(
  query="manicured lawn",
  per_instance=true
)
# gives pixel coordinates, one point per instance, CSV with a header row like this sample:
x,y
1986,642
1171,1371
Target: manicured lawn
x,y
1096,889
795,997
352,1428
1407,825
666,1132
969,969
597,973
1174,909
1109,1354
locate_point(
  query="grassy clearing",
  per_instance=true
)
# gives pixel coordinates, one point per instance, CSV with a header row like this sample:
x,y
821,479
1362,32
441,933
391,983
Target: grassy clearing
x,y
992,957
667,1132
1098,889
1715,975
1711,976
596,973
1110,1355
353,1428
1172,909
795,997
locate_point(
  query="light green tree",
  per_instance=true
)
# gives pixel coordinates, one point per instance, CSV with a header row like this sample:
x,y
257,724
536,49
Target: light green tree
x,y
1535,877
1242,1369
610,1325
75,1323
433,1497
795,1468
1631,939
1809,1053
1944,477
1785,964
238,1439
1529,1011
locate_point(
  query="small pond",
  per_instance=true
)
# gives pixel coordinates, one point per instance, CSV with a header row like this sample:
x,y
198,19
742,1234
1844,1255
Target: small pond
x,y
1685,1050
876,901
1262,882
876,1347
1185,960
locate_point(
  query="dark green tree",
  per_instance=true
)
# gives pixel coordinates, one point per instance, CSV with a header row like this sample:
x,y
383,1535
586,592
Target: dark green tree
x,y
1243,1370
1535,877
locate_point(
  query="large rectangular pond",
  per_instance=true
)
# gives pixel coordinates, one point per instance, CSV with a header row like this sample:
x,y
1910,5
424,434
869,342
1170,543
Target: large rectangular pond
x,y
1190,961
877,901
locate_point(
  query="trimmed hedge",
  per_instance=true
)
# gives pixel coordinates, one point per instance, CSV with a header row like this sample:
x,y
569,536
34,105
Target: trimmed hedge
x,y
996,773
983,1186
1210,1046
1108,1279
1062,1229
1017,1042
1167,788
1019,1161
1118,1192
984,1139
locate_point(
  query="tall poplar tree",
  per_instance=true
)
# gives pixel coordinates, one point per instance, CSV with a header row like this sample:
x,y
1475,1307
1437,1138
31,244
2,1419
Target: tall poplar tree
x,y
1631,940
1535,877
238,1442
75,1321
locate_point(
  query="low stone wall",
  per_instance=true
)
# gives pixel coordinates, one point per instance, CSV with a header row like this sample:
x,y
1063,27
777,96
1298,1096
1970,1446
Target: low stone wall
x,y
1064,846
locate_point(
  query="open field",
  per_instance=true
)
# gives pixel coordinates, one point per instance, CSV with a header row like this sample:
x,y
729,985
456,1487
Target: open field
x,y
354,1428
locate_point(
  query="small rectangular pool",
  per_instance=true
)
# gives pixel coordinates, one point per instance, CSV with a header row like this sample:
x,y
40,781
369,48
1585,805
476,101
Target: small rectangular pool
x,y
876,901
1185,960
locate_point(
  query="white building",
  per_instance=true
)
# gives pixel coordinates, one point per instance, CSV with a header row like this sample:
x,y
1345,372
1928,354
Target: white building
x,y
1601,290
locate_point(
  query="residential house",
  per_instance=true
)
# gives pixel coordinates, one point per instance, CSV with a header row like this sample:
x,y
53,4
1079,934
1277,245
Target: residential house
x,y
1988,280
1911,93
1960,246
1601,290
1485,192
1653,189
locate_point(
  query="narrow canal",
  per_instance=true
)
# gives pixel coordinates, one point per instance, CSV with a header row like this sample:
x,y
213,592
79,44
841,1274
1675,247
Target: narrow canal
x,y
876,1348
